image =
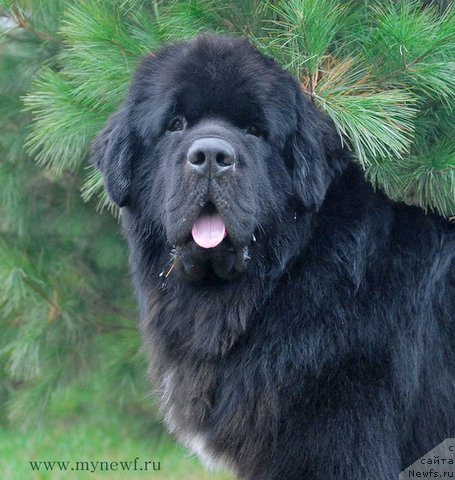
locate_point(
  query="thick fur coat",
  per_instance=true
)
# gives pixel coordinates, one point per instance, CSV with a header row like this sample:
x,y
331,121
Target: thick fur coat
x,y
316,340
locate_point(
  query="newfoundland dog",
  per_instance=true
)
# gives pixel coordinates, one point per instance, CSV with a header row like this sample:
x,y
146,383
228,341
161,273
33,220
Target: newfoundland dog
x,y
299,324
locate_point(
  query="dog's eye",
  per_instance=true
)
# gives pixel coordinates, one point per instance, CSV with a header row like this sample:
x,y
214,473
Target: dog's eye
x,y
253,130
176,124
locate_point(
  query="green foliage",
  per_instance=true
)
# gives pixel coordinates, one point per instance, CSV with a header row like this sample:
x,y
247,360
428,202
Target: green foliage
x,y
60,262
375,68
372,66
303,31
376,124
62,127
70,106
415,47
39,17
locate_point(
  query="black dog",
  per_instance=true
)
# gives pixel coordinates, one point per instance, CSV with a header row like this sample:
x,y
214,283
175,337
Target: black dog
x,y
299,324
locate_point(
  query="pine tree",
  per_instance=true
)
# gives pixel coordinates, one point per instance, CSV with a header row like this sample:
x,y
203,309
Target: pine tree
x,y
383,70
64,292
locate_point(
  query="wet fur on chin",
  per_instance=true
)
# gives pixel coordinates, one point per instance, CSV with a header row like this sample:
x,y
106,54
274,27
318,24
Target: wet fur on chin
x,y
331,354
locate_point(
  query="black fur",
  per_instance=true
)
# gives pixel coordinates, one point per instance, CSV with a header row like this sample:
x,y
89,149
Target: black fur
x,y
316,341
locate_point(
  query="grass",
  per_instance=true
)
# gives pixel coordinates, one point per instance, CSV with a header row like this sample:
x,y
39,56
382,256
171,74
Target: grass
x,y
109,441
79,431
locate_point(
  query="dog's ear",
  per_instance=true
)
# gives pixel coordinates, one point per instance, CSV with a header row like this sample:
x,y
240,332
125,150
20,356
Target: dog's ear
x,y
112,153
317,153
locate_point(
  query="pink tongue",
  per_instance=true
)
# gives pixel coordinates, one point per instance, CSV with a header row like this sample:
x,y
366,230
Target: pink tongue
x,y
209,230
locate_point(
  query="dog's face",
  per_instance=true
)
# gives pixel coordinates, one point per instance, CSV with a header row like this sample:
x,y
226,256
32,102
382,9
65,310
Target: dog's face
x,y
210,147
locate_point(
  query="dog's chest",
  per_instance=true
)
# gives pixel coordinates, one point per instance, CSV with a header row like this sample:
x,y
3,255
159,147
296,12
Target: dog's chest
x,y
187,409
217,387
223,410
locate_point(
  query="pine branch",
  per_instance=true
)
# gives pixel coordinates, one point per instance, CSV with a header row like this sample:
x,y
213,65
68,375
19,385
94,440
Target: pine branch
x,y
19,17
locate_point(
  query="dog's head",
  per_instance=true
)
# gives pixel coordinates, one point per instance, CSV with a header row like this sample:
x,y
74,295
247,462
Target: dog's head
x,y
212,146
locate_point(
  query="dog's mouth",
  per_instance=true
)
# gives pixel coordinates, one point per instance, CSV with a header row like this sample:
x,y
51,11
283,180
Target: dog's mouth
x,y
209,229
209,251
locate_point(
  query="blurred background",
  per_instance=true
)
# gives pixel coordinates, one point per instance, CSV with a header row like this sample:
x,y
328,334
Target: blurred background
x,y
73,381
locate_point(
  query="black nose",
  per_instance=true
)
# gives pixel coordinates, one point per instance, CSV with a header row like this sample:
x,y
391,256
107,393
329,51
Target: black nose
x,y
211,156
